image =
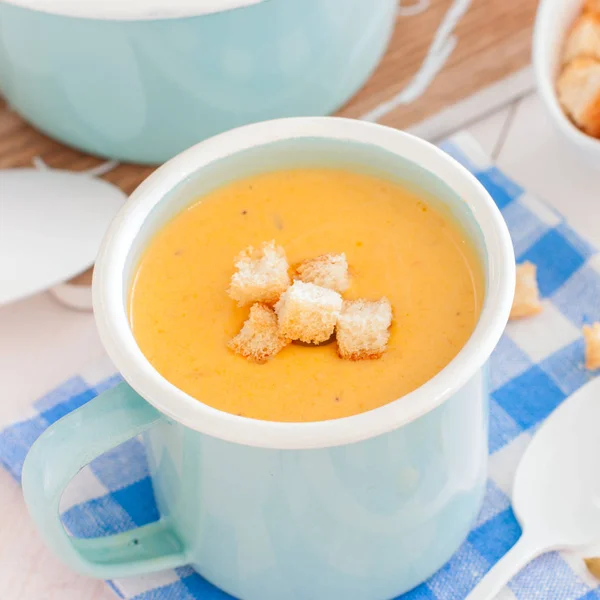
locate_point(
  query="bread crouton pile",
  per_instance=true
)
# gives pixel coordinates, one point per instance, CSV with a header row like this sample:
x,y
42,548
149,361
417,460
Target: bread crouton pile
x,y
578,85
527,303
307,307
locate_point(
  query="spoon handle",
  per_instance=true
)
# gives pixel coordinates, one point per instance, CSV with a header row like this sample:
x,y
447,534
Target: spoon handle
x,y
523,552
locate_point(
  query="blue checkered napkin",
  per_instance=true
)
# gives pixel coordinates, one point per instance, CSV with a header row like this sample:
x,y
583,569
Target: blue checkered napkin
x,y
538,363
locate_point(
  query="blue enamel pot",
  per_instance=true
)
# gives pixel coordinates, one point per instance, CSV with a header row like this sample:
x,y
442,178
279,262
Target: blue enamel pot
x,y
141,81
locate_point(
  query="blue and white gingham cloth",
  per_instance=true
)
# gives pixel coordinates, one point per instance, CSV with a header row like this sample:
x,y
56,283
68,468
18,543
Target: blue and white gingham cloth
x,y
537,364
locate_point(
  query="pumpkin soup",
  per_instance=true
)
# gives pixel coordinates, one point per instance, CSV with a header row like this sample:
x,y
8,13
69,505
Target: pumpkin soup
x,y
397,246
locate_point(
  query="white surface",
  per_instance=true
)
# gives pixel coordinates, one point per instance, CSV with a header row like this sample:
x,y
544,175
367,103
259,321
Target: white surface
x,y
488,131
536,156
78,297
51,226
479,108
42,343
130,231
132,9
556,494
553,21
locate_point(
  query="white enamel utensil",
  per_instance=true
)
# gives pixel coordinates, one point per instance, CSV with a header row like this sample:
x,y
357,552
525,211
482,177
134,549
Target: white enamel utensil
x,y
556,496
51,226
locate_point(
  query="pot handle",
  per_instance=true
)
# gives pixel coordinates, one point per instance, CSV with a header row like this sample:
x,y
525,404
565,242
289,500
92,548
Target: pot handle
x,y
56,457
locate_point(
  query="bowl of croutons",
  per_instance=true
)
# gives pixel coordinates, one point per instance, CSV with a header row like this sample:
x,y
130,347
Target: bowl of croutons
x,y
566,57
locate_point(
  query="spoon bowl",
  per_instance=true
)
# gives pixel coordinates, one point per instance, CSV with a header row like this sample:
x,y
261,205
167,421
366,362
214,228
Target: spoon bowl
x,y
556,496
557,484
51,225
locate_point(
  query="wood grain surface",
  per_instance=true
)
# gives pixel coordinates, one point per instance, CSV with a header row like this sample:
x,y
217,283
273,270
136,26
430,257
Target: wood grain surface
x,y
493,41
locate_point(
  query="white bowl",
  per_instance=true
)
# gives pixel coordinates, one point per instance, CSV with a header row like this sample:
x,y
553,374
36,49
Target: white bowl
x,y
553,21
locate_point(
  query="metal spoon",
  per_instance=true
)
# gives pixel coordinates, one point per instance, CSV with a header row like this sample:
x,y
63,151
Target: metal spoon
x,y
556,496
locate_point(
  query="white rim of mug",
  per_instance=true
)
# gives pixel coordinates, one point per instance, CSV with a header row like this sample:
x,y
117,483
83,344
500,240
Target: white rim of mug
x,y
110,288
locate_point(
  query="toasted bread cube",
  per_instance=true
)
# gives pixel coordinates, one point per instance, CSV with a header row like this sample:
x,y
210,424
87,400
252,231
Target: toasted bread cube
x,y
327,270
363,328
591,334
261,276
526,302
579,93
308,312
259,339
592,6
593,566
584,38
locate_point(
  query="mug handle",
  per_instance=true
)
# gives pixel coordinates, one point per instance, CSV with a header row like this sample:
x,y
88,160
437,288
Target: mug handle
x,y
56,457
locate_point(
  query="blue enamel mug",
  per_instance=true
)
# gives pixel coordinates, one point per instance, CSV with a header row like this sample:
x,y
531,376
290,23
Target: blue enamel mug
x,y
361,508
142,80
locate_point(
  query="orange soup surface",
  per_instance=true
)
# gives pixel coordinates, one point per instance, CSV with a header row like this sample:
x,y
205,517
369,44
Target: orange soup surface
x,y
397,246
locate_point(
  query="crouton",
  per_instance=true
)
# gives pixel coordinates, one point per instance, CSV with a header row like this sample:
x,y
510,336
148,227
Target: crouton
x,y
584,38
526,302
593,566
308,312
327,270
592,6
259,339
579,93
591,334
363,328
261,276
